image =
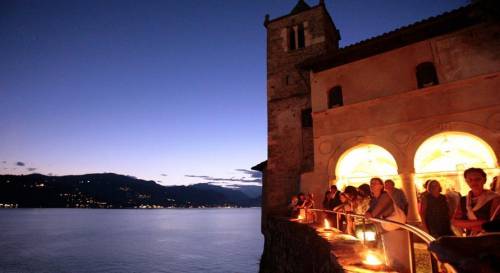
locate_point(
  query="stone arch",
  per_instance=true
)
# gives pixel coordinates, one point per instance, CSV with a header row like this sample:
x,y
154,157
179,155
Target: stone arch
x,y
423,150
348,144
481,132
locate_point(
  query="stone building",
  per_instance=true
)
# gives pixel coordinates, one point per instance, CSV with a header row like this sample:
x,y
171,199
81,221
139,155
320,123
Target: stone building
x,y
419,102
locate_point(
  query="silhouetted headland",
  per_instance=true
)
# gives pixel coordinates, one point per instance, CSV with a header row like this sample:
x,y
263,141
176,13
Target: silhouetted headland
x,y
109,190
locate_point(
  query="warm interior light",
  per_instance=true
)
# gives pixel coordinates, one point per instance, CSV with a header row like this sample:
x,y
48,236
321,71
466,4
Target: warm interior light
x,y
362,162
446,155
444,152
368,235
371,258
302,214
327,225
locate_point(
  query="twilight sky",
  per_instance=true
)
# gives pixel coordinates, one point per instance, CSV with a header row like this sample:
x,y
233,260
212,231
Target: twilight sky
x,y
171,91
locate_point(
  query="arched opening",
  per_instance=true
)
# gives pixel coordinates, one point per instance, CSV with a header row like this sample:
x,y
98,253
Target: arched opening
x,y
357,165
445,156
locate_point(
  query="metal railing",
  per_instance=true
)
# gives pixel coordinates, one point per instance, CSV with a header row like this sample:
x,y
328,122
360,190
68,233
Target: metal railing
x,y
412,231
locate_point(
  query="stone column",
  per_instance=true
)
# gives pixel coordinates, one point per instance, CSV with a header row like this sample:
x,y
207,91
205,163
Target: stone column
x,y
408,187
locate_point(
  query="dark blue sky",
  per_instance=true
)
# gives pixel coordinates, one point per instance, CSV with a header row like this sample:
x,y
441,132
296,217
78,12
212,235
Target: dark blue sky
x,y
154,89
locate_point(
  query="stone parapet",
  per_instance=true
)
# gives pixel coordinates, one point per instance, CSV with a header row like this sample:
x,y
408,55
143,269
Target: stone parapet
x,y
294,247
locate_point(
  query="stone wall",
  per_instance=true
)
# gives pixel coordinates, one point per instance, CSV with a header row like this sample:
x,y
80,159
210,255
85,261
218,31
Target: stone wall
x,y
295,247
290,144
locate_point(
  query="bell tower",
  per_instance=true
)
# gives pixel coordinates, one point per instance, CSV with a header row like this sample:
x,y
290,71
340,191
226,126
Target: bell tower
x,y
306,32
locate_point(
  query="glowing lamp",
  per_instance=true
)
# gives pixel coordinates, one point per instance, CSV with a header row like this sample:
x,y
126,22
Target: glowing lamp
x,y
372,260
302,215
367,235
327,225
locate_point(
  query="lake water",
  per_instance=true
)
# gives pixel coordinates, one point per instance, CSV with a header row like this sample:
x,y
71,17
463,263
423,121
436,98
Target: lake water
x,y
130,241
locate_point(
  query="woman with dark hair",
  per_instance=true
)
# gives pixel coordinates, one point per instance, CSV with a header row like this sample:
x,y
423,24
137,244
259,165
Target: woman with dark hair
x,y
344,206
435,211
362,205
351,194
395,241
364,191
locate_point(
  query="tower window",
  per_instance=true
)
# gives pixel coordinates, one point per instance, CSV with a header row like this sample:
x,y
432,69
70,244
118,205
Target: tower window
x,y
307,120
300,36
426,75
335,97
291,38
296,37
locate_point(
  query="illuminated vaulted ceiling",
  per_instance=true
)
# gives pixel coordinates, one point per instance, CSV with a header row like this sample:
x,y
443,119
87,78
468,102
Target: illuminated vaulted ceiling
x,y
362,162
453,151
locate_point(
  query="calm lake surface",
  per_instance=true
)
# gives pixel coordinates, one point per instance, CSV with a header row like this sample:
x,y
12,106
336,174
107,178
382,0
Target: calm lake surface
x,y
126,241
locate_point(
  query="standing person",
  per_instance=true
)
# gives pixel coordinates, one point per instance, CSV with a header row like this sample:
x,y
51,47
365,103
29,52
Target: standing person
x,y
335,199
326,206
352,199
422,195
293,210
495,185
301,201
309,204
397,195
395,242
453,199
364,198
333,202
326,199
479,206
343,207
361,207
435,211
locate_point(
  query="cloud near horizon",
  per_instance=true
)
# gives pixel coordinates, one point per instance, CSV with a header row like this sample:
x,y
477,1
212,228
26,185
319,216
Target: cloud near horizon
x,y
222,179
251,177
252,173
20,163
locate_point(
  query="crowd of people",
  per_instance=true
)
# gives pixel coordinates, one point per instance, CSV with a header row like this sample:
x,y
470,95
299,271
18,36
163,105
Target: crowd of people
x,y
447,214
442,214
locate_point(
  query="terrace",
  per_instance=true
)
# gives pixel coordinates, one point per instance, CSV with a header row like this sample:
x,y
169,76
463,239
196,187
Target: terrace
x,y
312,244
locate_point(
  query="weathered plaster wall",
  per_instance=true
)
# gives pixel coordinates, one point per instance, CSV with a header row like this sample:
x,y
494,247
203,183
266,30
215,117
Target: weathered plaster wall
x,y
468,53
383,107
456,56
401,123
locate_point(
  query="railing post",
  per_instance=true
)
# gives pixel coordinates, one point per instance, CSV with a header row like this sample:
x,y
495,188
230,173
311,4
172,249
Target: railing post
x,y
434,264
411,248
338,221
363,230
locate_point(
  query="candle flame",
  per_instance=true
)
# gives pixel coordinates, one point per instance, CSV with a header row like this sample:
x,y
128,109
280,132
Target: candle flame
x,y
372,259
327,224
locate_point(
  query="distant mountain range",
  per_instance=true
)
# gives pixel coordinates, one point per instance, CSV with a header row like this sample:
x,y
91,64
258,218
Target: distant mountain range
x,y
109,190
